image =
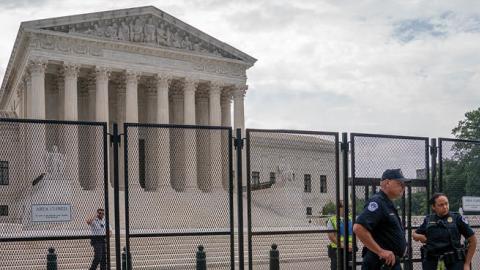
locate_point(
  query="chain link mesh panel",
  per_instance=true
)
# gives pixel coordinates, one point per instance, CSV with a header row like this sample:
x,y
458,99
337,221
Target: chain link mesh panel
x,y
371,155
52,179
459,179
292,187
179,183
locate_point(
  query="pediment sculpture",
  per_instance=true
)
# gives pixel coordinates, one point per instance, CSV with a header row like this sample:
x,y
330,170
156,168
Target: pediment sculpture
x,y
150,30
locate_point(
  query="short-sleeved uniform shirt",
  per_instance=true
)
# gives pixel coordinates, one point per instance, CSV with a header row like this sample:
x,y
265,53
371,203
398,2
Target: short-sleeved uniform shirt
x,y
98,226
381,219
442,231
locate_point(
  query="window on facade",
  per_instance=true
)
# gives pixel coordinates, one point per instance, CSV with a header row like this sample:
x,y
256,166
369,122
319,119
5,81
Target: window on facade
x,y
4,172
3,210
255,178
307,180
272,177
323,184
141,163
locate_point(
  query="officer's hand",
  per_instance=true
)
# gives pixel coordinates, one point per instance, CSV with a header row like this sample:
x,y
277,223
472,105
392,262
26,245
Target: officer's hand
x,y
420,237
350,248
387,256
466,266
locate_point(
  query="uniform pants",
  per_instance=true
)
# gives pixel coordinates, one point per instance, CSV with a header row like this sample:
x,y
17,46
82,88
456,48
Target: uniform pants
x,y
371,261
99,258
432,265
332,253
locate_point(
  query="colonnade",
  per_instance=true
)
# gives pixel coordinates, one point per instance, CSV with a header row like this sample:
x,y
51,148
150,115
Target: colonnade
x,y
109,95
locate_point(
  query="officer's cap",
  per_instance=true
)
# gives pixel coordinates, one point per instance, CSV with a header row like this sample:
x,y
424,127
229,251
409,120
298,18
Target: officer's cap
x,y
394,174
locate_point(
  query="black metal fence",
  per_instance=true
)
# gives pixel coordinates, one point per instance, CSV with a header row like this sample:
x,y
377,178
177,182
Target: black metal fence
x,y
173,184
178,195
292,189
371,155
52,179
459,179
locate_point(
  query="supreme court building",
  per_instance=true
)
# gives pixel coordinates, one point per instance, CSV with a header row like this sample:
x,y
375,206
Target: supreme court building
x,y
130,65
142,65
137,65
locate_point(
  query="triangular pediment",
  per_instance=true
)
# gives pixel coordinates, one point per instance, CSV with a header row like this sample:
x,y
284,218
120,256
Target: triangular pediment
x,y
145,25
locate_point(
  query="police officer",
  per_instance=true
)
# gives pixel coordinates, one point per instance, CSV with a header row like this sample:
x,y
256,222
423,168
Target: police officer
x,y
379,227
333,246
98,241
441,233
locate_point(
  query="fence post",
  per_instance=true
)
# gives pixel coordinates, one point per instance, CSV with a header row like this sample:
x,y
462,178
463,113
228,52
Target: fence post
x,y
51,259
274,258
126,260
201,258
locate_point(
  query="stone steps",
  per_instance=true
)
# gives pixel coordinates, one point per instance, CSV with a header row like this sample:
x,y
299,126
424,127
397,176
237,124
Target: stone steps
x,y
164,253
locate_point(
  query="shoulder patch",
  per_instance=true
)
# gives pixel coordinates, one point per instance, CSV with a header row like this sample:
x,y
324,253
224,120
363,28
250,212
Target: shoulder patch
x,y
372,206
464,219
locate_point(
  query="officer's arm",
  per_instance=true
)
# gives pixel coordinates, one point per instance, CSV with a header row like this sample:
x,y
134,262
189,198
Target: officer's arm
x,y
472,245
90,220
419,234
419,237
366,237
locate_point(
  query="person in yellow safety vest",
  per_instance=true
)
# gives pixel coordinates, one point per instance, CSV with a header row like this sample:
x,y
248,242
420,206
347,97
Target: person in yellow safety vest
x,y
333,246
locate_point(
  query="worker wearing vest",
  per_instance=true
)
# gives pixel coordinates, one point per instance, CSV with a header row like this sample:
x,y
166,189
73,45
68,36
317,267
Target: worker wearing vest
x,y
333,246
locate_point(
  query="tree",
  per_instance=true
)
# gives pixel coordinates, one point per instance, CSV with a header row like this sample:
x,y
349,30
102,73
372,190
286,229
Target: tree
x,y
461,171
329,209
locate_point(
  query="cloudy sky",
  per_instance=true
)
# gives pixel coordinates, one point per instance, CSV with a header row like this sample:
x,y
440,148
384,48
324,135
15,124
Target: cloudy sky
x,y
391,67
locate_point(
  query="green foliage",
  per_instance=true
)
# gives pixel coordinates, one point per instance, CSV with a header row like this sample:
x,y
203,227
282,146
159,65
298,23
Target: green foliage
x,y
461,171
329,209
419,203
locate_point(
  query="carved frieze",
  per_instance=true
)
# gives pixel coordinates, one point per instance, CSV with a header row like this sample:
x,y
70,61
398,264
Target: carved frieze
x,y
92,48
146,29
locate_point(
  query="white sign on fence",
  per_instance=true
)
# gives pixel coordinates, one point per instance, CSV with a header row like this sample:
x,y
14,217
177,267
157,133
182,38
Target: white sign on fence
x,y
51,212
471,203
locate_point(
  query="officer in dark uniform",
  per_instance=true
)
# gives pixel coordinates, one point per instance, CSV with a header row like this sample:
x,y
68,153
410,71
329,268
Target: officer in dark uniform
x,y
379,227
441,233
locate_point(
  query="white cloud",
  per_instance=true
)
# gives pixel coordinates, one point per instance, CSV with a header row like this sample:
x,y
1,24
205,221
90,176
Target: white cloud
x,y
397,67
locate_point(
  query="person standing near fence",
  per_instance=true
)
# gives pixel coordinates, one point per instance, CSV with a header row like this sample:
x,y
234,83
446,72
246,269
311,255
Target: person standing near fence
x,y
379,227
98,241
333,247
441,233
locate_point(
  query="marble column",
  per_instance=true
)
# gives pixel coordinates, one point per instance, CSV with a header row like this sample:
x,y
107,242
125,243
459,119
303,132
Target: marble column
x,y
163,83
163,134
28,96
70,113
204,182
131,116
60,112
177,144
239,122
239,107
91,100
190,134
102,75
121,102
215,119
36,133
132,78
70,96
152,138
226,102
37,77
